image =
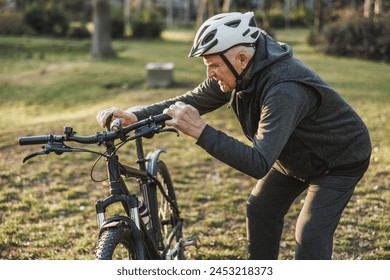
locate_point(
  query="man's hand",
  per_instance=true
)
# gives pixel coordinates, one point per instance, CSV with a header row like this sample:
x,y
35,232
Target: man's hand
x,y
186,119
126,118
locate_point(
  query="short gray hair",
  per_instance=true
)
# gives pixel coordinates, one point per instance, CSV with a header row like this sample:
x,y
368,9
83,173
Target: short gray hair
x,y
233,52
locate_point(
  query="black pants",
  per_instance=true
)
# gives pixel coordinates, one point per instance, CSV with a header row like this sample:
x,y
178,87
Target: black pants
x,y
270,200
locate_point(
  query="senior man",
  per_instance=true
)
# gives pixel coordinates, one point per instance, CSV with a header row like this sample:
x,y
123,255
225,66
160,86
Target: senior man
x,y
304,136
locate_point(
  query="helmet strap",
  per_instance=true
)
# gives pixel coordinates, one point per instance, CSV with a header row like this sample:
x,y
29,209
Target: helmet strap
x,y
239,77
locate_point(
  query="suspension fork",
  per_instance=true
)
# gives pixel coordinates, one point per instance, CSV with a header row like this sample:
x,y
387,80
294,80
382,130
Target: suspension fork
x,y
133,222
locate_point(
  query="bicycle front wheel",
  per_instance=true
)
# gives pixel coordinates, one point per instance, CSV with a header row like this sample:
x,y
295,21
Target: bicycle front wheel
x,y
115,243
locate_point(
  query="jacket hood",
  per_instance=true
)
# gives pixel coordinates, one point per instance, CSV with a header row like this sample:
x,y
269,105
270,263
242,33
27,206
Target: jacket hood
x,y
268,52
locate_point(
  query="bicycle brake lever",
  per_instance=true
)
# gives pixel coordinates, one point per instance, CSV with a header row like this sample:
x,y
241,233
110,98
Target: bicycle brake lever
x,y
30,156
58,148
170,129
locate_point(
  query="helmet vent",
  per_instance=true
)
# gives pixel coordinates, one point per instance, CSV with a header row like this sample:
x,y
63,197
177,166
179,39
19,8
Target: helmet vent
x,y
203,30
252,22
254,35
209,37
233,24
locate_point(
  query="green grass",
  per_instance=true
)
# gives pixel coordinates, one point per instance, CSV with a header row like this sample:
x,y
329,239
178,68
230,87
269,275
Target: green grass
x,y
47,204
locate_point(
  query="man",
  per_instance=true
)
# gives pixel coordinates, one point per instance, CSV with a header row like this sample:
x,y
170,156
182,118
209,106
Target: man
x,y
305,136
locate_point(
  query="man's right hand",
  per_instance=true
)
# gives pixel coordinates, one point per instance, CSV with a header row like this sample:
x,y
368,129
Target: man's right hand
x,y
126,118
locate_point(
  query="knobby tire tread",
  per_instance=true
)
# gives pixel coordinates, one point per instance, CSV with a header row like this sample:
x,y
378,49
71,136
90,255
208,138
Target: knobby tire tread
x,y
109,241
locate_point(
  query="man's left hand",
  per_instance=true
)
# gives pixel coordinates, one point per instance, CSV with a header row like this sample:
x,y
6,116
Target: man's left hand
x,y
186,119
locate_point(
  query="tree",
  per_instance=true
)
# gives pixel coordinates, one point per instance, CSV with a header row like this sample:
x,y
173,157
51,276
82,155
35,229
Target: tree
x,y
169,13
226,6
187,13
286,11
373,8
378,8
319,11
126,16
368,8
101,36
205,5
265,7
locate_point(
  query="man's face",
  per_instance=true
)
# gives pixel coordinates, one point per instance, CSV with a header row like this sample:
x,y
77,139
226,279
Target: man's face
x,y
217,69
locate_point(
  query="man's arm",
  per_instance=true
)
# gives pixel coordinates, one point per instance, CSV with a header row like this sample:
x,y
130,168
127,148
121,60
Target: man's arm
x,y
206,97
280,114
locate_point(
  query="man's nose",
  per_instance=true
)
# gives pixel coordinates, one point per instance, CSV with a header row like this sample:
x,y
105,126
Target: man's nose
x,y
210,73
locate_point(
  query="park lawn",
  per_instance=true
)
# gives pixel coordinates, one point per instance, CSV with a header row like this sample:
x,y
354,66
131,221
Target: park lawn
x,y
47,204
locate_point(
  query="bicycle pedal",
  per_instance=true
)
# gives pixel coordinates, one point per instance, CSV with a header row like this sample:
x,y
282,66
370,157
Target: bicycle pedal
x,y
191,241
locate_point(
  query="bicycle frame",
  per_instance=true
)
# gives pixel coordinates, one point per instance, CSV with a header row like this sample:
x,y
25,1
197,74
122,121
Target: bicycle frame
x,y
119,193
147,240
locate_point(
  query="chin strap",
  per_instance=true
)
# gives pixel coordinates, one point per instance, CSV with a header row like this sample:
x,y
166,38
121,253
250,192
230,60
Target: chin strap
x,y
238,77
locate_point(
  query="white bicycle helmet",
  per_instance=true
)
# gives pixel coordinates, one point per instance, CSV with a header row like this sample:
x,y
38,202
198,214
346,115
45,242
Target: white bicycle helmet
x,y
224,31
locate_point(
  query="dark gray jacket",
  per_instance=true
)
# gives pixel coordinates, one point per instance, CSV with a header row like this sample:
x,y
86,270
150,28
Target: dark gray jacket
x,y
297,123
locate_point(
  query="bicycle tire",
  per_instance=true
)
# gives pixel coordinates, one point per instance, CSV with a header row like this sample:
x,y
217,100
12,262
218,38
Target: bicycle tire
x,y
115,243
169,217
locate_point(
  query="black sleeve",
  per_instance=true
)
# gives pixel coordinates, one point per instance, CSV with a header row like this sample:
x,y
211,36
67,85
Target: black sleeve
x,y
284,106
206,97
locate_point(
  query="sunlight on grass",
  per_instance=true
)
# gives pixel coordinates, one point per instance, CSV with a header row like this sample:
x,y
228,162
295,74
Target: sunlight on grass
x,y
47,205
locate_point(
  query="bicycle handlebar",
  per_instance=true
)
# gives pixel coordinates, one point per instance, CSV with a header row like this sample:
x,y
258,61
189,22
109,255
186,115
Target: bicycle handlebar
x,y
93,139
32,140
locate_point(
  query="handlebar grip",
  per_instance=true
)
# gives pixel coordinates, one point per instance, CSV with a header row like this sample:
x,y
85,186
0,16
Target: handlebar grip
x,y
161,118
34,140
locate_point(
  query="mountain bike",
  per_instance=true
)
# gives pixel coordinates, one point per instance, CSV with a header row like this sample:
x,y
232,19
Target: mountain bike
x,y
148,224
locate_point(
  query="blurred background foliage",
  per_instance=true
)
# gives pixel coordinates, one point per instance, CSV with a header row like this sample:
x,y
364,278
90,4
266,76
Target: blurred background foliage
x,y
356,28
48,80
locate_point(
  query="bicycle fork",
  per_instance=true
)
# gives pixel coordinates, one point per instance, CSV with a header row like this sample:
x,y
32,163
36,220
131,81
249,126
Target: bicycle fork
x,y
132,221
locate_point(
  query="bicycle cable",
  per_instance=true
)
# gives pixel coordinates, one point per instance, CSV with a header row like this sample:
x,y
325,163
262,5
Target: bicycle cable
x,y
118,146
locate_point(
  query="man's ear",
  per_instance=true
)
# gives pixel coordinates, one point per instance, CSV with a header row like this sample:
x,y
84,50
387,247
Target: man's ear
x,y
243,58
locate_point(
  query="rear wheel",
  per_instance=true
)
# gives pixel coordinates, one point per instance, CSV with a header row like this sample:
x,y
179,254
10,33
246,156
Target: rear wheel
x,y
168,214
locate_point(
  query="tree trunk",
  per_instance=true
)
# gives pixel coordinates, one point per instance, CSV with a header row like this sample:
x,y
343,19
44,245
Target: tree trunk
x,y
211,8
368,8
266,4
319,11
294,5
126,16
205,6
286,12
226,6
201,11
169,16
187,13
378,7
101,37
